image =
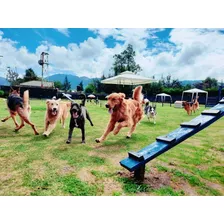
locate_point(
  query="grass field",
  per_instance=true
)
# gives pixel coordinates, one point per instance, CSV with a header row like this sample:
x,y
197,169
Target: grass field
x,y
35,165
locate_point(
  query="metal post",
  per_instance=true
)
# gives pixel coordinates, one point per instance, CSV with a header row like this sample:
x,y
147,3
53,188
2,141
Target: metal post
x,y
139,174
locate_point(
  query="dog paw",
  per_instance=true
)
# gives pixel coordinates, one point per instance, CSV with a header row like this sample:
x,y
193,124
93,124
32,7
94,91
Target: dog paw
x,y
44,134
36,133
92,125
128,136
97,140
2,120
68,142
83,142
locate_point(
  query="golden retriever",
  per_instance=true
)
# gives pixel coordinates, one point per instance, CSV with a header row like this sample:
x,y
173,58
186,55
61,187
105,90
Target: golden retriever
x,y
19,105
189,107
56,110
125,112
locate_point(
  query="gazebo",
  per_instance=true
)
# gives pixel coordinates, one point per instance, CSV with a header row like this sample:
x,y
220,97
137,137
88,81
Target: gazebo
x,y
195,92
163,96
128,78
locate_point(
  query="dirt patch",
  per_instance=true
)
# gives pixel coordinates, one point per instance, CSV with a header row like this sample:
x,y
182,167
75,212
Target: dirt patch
x,y
85,175
154,178
184,186
215,186
65,170
11,184
39,169
111,186
157,179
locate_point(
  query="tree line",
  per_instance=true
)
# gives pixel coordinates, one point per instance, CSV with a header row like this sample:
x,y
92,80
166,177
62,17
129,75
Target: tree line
x,y
125,61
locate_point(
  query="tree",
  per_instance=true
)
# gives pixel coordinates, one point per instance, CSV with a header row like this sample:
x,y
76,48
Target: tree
x,y
12,76
125,61
90,88
66,85
81,86
58,84
168,82
210,83
30,75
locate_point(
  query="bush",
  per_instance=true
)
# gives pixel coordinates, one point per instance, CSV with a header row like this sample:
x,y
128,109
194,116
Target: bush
x,y
1,93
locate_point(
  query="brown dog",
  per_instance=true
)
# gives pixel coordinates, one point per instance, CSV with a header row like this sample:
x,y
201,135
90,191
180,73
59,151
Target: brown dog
x,y
12,113
56,110
189,107
19,105
196,104
126,112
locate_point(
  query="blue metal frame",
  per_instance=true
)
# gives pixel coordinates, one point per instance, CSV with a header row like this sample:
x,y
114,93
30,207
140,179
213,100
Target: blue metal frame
x,y
136,160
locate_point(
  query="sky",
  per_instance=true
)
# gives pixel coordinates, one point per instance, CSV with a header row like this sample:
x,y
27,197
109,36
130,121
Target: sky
x,y
185,53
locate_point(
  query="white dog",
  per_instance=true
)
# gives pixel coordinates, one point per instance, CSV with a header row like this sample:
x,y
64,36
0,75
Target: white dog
x,y
151,113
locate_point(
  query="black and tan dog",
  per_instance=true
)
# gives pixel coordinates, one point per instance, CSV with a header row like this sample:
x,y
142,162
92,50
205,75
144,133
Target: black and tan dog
x,y
79,114
20,106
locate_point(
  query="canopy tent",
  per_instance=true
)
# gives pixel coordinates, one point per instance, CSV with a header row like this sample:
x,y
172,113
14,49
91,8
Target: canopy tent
x,y
91,96
163,97
128,78
195,91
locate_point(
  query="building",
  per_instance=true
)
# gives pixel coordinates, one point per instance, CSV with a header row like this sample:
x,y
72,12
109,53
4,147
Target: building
x,y
36,83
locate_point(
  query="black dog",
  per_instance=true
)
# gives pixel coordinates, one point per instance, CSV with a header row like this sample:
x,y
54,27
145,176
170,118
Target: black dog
x,y
79,114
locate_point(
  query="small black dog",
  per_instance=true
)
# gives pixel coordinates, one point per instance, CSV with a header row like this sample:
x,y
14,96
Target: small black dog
x,y
79,114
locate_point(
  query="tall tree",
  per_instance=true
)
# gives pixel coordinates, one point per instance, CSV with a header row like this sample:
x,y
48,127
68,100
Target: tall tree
x,y
12,76
66,85
125,61
168,82
30,75
210,83
81,86
58,84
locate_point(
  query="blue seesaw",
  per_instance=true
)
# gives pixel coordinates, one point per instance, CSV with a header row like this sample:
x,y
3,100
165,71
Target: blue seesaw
x,y
136,160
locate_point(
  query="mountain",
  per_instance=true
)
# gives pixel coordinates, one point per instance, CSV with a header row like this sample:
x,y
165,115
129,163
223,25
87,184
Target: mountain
x,y
190,82
4,82
74,80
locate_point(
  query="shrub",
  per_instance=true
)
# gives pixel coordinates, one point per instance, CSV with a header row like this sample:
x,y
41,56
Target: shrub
x,y
1,93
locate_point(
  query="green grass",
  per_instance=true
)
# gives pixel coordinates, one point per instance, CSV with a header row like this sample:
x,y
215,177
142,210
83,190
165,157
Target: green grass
x,y
35,165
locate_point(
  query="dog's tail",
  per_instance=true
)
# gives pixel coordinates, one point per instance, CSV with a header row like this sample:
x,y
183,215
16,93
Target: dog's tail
x,y
137,94
26,102
26,98
83,97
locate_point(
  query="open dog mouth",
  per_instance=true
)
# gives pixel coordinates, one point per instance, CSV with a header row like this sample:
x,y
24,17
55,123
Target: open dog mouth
x,y
110,110
75,115
54,112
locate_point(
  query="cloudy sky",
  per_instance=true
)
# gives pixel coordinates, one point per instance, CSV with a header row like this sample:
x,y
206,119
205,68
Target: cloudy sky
x,y
185,53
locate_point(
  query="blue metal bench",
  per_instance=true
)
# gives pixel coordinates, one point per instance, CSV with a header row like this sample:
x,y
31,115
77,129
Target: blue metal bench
x,y
136,160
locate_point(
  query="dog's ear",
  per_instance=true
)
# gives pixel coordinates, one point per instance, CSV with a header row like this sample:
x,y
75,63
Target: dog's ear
x,y
59,99
47,101
122,95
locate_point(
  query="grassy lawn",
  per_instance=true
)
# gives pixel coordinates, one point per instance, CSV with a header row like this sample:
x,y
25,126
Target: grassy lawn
x,y
35,165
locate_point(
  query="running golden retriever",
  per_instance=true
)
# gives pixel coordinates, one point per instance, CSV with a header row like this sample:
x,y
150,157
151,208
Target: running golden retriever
x,y
125,112
56,110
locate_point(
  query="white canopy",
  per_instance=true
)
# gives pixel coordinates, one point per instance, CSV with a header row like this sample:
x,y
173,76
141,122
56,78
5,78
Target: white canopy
x,y
163,96
195,91
128,78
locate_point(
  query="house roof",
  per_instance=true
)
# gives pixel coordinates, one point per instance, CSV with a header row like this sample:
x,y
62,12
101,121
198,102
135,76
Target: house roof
x,y
37,83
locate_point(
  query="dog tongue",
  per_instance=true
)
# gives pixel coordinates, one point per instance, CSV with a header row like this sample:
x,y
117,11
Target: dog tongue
x,y
54,112
110,111
75,115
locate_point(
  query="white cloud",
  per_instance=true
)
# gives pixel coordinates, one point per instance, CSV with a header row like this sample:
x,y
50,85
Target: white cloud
x,y
64,31
190,54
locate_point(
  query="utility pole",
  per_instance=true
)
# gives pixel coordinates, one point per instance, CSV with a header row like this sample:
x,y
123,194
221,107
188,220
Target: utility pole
x,y
42,62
